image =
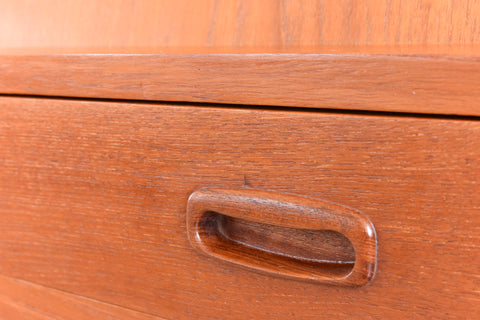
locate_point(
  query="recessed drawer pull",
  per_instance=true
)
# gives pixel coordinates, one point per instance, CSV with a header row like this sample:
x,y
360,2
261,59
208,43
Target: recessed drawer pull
x,y
283,234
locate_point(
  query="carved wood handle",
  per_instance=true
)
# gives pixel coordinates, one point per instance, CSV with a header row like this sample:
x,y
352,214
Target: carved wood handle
x,y
271,224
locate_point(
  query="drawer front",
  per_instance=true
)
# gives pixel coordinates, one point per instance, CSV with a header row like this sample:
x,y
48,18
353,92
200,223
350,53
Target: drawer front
x,y
93,200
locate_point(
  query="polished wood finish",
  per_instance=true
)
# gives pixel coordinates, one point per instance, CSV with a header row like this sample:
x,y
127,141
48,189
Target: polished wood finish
x,y
431,83
210,232
318,246
93,198
24,300
93,194
238,23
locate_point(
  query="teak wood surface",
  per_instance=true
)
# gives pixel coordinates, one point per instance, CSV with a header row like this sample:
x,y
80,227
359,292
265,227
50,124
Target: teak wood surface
x,y
419,81
93,195
23,300
93,200
238,23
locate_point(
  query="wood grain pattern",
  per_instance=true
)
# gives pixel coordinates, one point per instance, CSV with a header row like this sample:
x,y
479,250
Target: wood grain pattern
x,y
93,198
319,246
207,228
24,300
439,84
238,23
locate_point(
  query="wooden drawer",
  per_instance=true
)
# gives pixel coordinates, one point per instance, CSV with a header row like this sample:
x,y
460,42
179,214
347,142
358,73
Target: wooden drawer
x,y
93,201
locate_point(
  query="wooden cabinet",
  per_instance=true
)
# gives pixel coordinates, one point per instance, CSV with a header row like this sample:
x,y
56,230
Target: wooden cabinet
x,y
164,167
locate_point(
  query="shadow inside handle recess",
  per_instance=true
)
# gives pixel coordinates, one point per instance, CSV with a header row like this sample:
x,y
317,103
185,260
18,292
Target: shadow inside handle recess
x,y
278,249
